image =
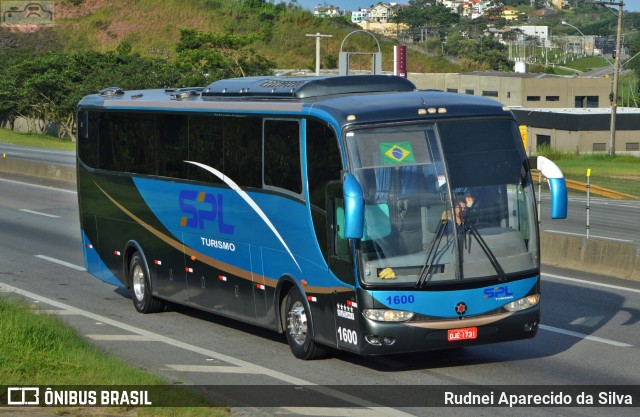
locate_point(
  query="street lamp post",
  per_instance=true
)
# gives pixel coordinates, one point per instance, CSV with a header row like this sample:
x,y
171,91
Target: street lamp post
x,y
616,73
318,37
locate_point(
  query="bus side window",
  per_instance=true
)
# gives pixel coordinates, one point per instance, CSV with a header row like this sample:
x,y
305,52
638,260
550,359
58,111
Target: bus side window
x,y
242,139
142,142
88,126
282,155
113,130
172,140
205,146
341,244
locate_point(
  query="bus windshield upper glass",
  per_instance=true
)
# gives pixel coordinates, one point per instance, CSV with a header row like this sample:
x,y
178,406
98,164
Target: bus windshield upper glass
x,y
444,201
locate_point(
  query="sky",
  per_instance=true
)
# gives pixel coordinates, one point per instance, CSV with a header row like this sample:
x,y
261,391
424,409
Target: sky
x,y
348,5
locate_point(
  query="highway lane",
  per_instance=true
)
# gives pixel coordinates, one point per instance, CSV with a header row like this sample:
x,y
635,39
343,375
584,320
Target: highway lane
x,y
590,331
616,220
49,156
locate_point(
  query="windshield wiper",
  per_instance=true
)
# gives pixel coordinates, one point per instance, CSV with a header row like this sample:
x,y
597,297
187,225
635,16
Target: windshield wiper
x,y
431,254
483,245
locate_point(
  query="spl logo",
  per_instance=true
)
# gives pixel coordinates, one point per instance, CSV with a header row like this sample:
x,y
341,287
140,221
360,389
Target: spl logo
x,y
498,292
461,308
199,208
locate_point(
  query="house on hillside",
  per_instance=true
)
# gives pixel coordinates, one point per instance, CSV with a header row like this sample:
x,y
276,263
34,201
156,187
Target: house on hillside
x,y
358,16
381,13
327,11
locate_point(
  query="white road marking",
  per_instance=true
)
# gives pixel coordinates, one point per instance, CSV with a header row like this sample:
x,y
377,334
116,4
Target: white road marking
x,y
56,312
59,262
590,235
119,337
581,335
210,369
584,336
596,284
39,213
248,366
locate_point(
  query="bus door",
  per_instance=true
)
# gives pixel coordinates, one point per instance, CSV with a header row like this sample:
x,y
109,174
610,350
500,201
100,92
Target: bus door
x,y
341,264
220,282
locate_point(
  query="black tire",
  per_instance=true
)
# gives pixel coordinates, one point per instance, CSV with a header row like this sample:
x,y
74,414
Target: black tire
x,y
143,301
299,328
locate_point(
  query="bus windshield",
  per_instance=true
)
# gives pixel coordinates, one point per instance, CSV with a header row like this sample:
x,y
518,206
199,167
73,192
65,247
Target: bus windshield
x,y
444,201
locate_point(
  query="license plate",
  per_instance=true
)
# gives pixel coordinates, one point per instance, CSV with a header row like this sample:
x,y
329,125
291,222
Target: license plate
x,y
462,334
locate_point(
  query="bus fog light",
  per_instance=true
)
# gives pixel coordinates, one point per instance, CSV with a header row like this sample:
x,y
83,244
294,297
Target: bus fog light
x,y
523,303
373,340
388,340
387,315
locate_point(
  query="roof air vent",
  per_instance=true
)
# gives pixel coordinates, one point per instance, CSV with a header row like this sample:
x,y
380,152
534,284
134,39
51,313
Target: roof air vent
x,y
111,91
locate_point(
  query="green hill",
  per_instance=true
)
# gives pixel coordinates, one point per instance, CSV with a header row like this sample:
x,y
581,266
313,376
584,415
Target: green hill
x,y
152,27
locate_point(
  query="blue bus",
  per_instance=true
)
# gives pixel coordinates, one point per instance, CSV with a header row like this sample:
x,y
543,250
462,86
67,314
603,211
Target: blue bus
x,y
352,213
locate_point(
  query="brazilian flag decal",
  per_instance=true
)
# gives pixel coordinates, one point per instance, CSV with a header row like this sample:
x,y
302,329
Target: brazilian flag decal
x,y
394,153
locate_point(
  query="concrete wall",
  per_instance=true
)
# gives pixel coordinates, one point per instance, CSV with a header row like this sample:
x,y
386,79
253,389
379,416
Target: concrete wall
x,y
616,259
38,169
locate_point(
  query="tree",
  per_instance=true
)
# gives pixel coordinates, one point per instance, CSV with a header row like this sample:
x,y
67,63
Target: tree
x,y
422,13
208,57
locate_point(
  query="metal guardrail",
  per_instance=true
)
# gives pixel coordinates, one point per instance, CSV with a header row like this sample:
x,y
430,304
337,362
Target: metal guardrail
x,y
595,189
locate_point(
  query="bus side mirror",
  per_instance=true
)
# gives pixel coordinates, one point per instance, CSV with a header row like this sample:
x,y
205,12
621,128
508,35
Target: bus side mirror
x,y
557,185
353,207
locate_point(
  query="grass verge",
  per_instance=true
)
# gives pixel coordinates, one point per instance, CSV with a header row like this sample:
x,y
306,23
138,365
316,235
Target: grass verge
x,y
618,173
39,349
35,139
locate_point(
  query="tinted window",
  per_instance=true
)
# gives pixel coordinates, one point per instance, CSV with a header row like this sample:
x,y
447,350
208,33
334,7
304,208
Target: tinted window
x,y
282,155
172,140
482,152
242,139
88,135
323,161
205,146
112,147
323,165
141,151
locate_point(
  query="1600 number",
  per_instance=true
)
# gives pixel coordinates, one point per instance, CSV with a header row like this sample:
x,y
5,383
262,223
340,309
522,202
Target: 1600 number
x,y
401,299
347,335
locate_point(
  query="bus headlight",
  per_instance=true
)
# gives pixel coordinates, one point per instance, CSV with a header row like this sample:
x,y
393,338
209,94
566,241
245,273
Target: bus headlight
x,y
523,303
387,315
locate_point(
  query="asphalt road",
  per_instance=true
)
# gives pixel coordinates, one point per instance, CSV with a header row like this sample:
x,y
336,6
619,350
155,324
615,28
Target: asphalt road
x,y
590,331
49,156
615,220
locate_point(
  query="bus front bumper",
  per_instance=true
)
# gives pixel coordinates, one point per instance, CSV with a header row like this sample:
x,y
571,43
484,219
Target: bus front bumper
x,y
382,338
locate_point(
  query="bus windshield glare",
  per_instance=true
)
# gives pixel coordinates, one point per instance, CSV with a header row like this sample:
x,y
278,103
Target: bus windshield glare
x,y
443,202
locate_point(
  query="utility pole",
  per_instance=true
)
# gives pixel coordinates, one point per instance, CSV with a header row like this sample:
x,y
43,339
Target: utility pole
x,y
318,37
616,73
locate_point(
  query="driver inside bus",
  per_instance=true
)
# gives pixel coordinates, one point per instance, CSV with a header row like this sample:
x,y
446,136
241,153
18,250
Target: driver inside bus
x,y
459,209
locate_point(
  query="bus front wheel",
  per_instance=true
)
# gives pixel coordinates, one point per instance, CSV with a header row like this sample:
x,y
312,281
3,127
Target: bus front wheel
x,y
143,301
299,328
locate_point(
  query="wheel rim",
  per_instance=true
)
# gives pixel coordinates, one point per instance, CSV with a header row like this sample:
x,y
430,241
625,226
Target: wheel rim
x,y
298,323
138,282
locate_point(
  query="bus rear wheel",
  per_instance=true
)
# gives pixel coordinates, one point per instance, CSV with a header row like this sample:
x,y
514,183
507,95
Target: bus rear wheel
x,y
299,328
143,301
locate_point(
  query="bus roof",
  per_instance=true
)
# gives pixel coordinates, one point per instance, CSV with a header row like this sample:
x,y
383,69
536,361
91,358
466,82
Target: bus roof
x,y
349,99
